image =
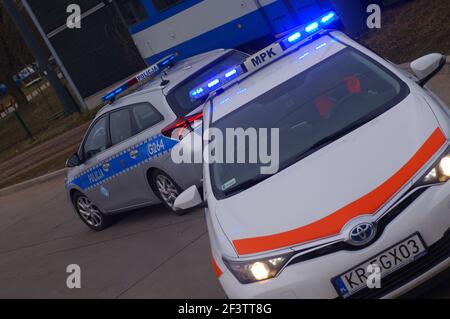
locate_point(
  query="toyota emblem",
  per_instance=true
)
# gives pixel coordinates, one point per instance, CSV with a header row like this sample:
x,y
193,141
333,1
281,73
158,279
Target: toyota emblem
x,y
362,234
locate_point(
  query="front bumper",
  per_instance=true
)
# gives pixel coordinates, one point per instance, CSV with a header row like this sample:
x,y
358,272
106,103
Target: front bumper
x,y
429,215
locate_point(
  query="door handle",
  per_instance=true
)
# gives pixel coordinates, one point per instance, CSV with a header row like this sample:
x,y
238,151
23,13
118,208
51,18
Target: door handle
x,y
134,154
106,167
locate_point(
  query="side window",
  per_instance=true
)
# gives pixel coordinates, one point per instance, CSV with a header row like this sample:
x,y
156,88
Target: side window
x,y
97,141
145,116
120,126
162,5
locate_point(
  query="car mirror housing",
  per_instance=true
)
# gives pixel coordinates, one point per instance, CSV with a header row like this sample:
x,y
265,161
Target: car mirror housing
x,y
189,199
73,161
428,66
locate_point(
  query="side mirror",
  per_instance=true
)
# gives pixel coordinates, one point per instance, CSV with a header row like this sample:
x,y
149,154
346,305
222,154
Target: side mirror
x,y
189,199
73,161
428,66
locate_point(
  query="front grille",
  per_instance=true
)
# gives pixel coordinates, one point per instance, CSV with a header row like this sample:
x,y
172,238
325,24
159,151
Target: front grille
x,y
382,224
437,253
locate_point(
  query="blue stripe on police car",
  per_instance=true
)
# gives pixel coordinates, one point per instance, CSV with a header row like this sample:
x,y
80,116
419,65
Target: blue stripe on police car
x,y
123,162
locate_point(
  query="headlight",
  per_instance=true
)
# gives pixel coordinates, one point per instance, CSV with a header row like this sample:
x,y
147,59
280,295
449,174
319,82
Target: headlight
x,y
257,270
440,173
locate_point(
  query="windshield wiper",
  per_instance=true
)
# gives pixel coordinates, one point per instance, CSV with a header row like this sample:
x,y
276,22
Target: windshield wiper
x,y
246,185
331,138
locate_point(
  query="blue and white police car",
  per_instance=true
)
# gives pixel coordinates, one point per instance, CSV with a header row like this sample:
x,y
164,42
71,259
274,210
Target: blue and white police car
x,y
124,160
359,207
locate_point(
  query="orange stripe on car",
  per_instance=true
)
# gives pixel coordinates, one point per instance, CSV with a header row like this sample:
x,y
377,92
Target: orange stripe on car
x,y
368,204
216,267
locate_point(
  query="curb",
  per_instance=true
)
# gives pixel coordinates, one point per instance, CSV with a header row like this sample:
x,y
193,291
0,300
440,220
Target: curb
x,y
32,182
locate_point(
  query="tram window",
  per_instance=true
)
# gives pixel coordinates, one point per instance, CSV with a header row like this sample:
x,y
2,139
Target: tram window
x,y
133,11
162,5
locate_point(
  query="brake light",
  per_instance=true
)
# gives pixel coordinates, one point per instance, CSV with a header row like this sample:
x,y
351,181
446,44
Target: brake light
x,y
182,126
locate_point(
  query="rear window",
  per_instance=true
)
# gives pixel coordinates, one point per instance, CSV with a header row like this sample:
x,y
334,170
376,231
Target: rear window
x,y
145,116
179,98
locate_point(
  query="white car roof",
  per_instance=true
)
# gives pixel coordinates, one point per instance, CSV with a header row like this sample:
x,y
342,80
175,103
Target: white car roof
x,y
274,74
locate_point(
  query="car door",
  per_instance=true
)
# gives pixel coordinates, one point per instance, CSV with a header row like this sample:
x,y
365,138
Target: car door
x,y
97,179
127,158
143,122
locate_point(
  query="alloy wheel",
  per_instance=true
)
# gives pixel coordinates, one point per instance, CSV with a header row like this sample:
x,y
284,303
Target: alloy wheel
x,y
89,212
167,189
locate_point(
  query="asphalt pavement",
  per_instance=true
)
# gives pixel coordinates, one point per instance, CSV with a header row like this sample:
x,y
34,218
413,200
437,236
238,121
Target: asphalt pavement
x,y
148,253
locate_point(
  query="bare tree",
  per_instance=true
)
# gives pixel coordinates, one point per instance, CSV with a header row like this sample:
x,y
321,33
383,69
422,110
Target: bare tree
x,y
14,55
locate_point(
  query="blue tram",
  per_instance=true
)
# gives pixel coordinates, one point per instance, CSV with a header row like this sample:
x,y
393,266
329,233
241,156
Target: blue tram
x,y
189,27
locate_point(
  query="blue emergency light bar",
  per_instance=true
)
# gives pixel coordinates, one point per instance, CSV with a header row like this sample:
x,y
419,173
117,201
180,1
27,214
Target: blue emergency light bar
x,y
310,29
151,71
266,56
217,82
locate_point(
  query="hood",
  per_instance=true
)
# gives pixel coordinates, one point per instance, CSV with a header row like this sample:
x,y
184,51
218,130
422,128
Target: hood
x,y
351,177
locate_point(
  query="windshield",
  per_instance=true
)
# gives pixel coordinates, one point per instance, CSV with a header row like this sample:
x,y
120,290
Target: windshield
x,y
179,98
311,110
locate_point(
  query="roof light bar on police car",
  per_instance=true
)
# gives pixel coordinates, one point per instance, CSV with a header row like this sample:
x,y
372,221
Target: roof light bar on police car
x,y
312,27
265,56
215,83
309,29
142,76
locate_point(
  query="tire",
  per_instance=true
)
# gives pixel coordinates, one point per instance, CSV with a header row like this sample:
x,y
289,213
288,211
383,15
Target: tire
x,y
166,189
90,214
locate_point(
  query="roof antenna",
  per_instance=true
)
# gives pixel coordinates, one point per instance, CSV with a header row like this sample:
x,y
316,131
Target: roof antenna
x,y
164,82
